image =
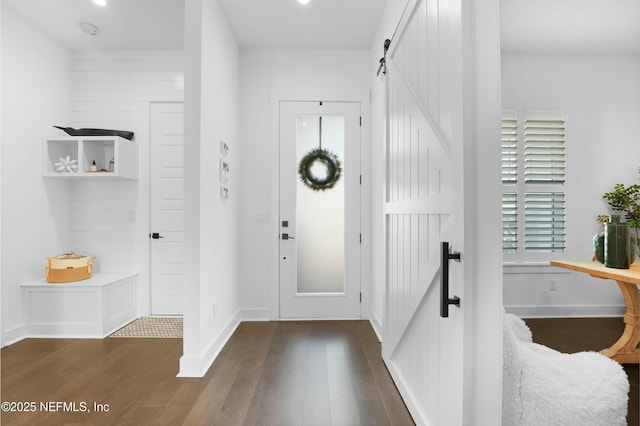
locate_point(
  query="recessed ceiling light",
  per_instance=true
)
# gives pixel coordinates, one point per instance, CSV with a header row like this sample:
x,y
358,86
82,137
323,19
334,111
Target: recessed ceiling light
x,y
100,2
303,1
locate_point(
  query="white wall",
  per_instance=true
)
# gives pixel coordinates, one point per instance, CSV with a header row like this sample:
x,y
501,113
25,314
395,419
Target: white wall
x,y
267,75
211,224
601,97
110,219
36,90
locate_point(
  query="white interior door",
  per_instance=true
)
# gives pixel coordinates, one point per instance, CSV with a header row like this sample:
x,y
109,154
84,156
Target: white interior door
x,y
167,224
423,208
319,216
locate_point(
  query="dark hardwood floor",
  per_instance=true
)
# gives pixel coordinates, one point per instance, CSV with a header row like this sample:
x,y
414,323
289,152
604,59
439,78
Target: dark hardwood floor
x,y
571,335
269,373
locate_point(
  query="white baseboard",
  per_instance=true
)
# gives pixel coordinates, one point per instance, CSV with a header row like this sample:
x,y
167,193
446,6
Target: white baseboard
x,y
14,335
191,366
566,311
256,314
408,397
376,324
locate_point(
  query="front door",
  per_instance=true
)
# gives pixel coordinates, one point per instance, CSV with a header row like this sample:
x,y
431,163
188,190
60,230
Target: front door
x,y
167,219
319,210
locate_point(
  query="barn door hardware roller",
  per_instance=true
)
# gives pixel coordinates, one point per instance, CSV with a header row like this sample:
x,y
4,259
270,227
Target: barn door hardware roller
x,y
383,60
445,300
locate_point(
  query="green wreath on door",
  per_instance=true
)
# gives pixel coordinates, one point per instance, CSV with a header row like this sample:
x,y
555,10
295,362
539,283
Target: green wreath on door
x,y
325,159
329,161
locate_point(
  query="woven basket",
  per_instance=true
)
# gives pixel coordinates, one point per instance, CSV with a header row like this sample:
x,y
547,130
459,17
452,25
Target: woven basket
x,y
68,267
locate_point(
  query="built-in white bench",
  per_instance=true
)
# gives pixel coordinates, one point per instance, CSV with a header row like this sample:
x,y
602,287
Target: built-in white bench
x,y
92,308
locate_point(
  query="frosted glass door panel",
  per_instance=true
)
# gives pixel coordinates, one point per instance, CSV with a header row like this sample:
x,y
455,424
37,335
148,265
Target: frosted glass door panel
x,y
320,213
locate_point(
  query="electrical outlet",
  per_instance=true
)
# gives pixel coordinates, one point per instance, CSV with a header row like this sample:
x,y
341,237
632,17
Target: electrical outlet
x,y
553,285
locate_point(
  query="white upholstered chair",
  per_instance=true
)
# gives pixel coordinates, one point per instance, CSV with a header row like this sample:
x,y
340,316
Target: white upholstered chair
x,y
544,387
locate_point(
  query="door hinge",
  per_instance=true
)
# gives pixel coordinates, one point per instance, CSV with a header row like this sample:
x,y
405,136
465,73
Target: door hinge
x,y
360,238
360,179
360,297
360,121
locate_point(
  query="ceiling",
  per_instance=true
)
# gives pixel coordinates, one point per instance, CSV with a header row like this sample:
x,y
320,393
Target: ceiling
x,y
159,24
570,27
124,24
578,27
321,24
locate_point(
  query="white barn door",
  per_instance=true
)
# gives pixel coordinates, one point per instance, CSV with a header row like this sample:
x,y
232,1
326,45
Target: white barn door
x,y
423,208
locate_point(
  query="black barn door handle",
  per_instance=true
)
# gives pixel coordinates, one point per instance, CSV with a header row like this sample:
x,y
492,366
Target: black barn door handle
x,y
445,300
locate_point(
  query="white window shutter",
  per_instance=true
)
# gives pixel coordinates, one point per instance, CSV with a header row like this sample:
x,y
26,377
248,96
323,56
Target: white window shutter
x,y
533,176
544,221
509,151
544,152
509,222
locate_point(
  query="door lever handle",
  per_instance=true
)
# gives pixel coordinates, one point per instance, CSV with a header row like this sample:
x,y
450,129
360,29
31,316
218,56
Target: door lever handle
x,y
445,300
286,236
155,235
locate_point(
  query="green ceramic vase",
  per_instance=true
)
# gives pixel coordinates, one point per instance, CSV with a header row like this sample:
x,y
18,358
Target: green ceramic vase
x,y
617,244
598,247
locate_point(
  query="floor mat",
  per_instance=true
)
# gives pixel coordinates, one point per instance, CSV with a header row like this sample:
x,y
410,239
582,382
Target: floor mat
x,y
153,327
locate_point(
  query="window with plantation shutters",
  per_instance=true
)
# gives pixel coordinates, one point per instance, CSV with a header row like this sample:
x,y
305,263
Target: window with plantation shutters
x,y
509,172
533,175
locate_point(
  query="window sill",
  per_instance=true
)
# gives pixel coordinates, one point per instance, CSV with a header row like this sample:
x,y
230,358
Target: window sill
x,y
531,268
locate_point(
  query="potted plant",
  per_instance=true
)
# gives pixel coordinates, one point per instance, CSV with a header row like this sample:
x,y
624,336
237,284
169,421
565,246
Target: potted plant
x,y
624,201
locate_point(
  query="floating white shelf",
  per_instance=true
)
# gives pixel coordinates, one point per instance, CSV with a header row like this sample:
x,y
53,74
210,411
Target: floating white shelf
x,y
85,150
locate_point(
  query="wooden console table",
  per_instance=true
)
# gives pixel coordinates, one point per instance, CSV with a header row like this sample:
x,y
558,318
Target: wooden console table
x,y
625,350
